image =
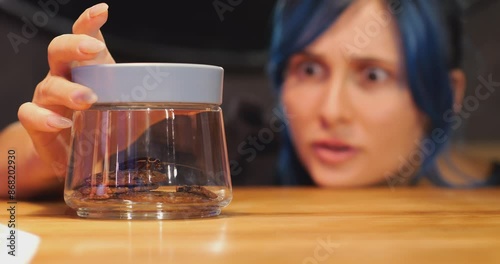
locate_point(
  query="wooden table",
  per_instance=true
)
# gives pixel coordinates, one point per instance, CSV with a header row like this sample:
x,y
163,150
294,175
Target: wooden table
x,y
285,225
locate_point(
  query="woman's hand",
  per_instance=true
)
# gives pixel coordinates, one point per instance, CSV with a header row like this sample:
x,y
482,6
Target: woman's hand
x,y
48,117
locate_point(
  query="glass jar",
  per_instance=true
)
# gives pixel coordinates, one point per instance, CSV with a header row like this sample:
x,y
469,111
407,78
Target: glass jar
x,y
152,146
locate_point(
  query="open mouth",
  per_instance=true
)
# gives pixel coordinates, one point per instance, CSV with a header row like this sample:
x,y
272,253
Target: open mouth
x,y
333,152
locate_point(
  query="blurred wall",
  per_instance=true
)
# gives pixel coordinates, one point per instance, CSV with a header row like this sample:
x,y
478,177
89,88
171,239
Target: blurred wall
x,y
482,61
242,38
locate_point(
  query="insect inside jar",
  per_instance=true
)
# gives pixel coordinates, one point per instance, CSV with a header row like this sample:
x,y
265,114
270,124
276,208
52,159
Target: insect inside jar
x,y
135,179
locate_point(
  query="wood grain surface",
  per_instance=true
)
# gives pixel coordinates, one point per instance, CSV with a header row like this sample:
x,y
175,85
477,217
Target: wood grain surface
x,y
285,225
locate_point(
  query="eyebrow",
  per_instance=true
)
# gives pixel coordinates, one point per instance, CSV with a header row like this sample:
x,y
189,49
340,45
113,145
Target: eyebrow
x,y
373,60
309,54
370,59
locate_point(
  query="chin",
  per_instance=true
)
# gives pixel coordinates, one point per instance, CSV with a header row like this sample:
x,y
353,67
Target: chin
x,y
343,178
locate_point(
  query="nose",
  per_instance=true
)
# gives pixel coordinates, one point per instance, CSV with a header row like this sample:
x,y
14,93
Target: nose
x,y
335,107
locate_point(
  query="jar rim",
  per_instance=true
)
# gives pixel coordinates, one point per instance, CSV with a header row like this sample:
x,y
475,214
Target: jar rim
x,y
145,64
152,82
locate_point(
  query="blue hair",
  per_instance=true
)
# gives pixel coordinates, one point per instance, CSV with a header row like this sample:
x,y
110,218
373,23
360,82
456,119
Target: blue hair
x,y
430,33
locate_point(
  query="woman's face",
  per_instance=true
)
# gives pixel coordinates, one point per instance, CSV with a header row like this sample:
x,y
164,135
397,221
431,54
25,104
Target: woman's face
x,y
351,115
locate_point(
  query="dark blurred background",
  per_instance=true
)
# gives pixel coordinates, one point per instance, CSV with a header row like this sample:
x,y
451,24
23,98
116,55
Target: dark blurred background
x,y
235,37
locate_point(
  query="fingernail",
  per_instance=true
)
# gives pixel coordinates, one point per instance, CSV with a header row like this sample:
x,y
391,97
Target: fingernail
x,y
98,9
91,46
84,97
59,122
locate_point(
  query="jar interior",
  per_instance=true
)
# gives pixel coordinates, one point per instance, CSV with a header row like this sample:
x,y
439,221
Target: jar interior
x,y
148,161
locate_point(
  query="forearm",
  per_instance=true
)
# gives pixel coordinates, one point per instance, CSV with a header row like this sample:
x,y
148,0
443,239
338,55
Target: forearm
x,y
32,176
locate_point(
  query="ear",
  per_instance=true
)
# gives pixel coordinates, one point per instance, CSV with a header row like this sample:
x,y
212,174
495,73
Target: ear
x,y
458,81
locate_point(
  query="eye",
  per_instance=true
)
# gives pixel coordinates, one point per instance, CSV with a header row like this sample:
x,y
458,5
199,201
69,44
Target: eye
x,y
310,69
375,74
306,68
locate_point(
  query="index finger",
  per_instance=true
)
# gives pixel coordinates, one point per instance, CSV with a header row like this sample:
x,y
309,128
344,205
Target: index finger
x,y
65,49
91,20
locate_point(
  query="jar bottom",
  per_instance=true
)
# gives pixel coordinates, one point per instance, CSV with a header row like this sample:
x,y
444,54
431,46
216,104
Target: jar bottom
x,y
165,202
160,214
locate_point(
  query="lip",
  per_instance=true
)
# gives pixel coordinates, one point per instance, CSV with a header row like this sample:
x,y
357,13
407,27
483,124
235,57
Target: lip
x,y
333,151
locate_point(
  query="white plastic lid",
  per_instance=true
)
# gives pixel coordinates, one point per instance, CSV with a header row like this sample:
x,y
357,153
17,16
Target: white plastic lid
x,y
152,82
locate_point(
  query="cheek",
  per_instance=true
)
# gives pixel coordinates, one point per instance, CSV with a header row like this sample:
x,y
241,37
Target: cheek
x,y
291,98
393,107
288,101
299,109
298,105
394,126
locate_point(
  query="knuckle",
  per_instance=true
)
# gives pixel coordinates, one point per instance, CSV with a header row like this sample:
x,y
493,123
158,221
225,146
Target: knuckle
x,y
53,43
43,89
22,107
56,44
74,28
23,112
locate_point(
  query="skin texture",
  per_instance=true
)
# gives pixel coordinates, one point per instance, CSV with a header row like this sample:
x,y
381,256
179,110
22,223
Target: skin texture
x,y
360,99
